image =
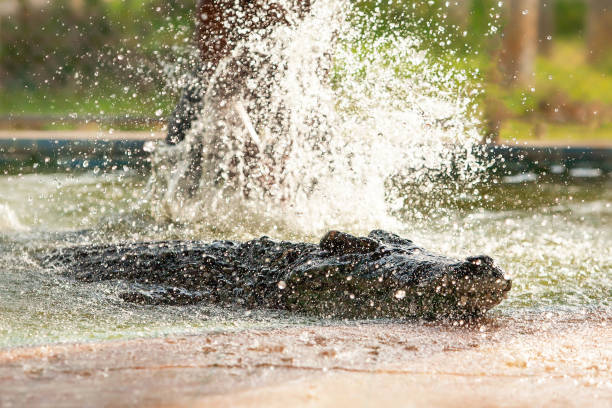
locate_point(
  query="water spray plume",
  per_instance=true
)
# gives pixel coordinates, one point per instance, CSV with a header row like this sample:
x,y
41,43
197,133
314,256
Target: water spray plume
x,y
318,124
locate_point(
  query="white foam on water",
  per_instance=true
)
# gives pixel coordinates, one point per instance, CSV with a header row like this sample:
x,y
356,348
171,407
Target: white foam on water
x,y
9,221
330,127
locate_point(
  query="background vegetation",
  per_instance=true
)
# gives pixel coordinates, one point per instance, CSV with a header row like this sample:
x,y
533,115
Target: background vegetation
x,y
89,58
79,60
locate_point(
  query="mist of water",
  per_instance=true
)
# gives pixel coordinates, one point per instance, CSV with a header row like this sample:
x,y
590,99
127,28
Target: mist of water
x,y
330,126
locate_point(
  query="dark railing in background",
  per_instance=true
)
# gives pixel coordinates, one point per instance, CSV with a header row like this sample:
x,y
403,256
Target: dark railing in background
x,y
27,155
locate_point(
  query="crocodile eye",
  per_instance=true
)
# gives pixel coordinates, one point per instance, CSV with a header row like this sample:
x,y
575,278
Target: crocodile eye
x,y
480,260
342,243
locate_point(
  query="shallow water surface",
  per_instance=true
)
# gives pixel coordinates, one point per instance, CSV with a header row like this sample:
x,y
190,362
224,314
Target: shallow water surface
x,y
554,239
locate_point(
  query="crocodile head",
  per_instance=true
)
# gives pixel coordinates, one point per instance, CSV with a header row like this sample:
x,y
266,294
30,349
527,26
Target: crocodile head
x,y
385,275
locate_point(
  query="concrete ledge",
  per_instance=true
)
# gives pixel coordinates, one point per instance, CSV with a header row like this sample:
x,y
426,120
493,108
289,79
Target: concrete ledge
x,y
552,359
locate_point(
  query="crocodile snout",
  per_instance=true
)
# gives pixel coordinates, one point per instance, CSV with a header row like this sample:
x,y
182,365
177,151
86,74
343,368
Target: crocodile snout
x,y
482,269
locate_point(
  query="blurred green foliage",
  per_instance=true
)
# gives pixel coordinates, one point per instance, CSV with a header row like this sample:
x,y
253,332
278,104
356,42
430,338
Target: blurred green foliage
x,y
50,45
102,57
570,17
430,21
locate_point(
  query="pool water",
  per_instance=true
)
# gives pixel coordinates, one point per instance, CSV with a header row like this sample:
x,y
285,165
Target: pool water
x,y
553,238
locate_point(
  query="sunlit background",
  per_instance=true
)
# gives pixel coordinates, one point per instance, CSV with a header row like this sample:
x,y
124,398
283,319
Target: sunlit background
x,y
545,65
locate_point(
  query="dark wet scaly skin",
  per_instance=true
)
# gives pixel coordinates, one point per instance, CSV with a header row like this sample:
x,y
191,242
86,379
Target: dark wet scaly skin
x,y
381,275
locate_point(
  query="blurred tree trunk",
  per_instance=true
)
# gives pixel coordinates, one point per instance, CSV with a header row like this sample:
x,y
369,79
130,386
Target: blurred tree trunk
x,y
459,13
546,24
77,6
599,29
520,43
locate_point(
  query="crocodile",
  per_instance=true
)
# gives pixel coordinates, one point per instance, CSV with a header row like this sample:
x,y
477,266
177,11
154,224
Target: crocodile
x,y
344,276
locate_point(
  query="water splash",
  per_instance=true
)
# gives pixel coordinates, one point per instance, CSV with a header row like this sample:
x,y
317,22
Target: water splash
x,y
324,126
9,221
